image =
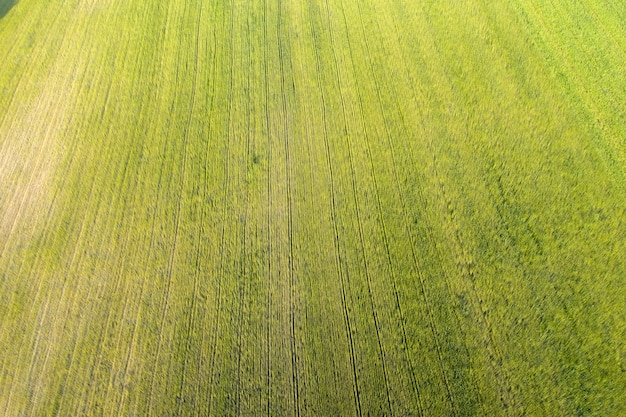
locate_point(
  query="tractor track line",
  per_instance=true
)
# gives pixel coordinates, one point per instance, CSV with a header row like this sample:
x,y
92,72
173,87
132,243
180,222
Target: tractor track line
x,y
286,137
225,209
385,236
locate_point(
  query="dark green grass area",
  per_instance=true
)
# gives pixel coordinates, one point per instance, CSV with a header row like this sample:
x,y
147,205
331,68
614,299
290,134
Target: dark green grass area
x,y
5,6
312,208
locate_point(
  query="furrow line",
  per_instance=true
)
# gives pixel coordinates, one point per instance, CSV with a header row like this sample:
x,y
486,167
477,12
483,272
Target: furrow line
x,y
39,160
368,279
359,222
56,114
72,261
242,267
34,349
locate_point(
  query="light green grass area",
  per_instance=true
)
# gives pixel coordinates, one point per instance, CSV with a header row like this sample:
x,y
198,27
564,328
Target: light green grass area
x,y
312,208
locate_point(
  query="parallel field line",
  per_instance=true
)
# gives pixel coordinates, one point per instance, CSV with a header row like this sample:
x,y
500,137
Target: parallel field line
x,y
286,137
384,230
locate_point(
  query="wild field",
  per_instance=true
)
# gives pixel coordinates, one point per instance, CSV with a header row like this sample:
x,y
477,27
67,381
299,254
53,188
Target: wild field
x,y
312,208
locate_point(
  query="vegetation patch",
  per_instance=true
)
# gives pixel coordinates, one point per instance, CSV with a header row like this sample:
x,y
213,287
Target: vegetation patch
x,y
281,207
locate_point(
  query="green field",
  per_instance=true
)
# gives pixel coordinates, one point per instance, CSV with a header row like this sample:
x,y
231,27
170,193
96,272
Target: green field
x,y
312,208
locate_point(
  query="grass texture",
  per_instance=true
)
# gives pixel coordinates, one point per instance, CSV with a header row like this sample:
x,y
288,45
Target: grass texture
x,y
312,208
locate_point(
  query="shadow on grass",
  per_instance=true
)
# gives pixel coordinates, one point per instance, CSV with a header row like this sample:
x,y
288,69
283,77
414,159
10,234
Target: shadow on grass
x,y
5,6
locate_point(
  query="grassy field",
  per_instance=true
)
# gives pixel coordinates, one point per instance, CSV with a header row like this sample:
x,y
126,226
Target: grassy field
x,y
312,208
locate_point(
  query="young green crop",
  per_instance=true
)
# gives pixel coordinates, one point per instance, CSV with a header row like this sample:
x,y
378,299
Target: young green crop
x,y
312,208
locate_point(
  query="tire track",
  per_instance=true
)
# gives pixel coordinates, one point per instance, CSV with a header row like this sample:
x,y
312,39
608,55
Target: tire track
x,y
150,248
225,209
334,219
465,267
593,8
188,128
211,104
427,303
105,333
286,137
106,215
172,254
145,268
398,305
357,212
269,209
126,204
244,267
